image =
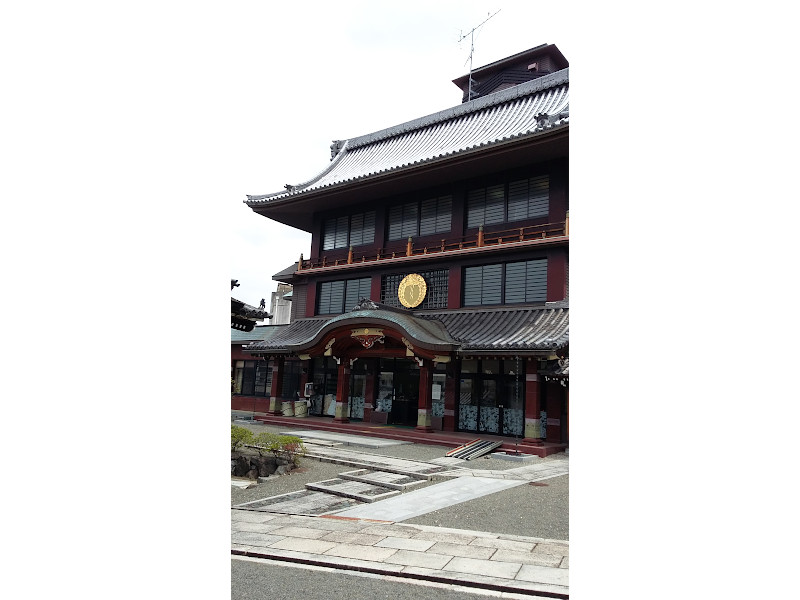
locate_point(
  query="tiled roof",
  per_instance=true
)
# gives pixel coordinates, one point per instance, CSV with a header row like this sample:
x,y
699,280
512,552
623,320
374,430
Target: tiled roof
x,y
465,331
507,328
244,316
258,334
518,112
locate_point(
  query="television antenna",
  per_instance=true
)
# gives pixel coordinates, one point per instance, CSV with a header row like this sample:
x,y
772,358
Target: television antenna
x,y
471,34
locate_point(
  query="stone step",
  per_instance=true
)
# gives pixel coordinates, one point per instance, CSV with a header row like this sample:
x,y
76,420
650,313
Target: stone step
x,y
395,481
383,463
356,490
304,502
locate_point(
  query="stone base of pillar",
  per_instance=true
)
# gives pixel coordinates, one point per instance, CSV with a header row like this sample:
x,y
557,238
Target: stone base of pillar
x,y
341,413
424,421
275,407
533,441
368,408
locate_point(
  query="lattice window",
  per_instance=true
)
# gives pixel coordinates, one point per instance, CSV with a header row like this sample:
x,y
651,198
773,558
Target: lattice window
x,y
435,297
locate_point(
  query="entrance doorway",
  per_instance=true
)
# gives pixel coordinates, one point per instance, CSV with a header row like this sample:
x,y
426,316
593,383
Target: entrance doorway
x,y
491,397
398,390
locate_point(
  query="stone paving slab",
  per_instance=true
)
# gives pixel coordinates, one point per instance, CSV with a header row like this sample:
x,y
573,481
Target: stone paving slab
x,y
402,543
428,560
252,538
370,553
395,481
349,537
242,483
346,439
527,558
492,568
390,464
465,550
303,545
357,490
304,502
544,575
429,499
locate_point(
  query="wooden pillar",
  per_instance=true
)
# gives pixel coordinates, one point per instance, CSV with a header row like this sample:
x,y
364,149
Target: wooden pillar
x,y
369,390
342,392
533,423
277,386
425,404
450,390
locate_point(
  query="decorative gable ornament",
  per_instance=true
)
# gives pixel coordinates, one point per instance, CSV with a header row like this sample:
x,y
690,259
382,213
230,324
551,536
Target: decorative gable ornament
x,y
368,337
365,304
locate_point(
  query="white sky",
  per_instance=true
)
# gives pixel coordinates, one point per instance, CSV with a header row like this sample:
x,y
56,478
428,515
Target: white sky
x,y
355,68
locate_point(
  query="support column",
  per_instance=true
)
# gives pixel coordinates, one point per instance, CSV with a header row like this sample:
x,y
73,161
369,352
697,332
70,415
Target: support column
x,y
425,404
342,392
450,390
533,423
277,386
369,390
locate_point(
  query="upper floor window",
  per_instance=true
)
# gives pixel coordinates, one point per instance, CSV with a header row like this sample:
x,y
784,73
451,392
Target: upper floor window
x,y
428,217
509,283
335,297
353,230
516,201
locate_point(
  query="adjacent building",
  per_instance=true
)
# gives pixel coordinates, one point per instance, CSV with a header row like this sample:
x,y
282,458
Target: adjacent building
x,y
435,293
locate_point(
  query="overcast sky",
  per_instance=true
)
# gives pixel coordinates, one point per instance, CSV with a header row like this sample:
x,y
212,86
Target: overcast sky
x,y
341,70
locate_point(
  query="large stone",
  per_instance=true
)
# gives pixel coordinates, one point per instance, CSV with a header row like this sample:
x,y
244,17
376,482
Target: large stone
x,y
252,474
242,466
266,465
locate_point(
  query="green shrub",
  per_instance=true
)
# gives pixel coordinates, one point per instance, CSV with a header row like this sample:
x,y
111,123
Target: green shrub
x,y
289,447
239,436
293,448
267,442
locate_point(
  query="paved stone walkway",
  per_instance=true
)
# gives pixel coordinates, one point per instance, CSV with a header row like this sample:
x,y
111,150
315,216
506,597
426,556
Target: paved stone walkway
x,y
345,439
434,497
472,558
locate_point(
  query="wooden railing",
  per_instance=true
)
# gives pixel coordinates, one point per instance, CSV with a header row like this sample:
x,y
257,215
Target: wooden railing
x,y
479,240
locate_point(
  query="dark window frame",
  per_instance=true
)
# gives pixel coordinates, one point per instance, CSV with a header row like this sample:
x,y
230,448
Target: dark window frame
x,y
341,235
349,295
442,212
478,201
536,270
247,377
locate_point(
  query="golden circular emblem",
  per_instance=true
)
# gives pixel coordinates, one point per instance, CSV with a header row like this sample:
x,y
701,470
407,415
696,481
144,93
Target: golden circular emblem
x,y
411,291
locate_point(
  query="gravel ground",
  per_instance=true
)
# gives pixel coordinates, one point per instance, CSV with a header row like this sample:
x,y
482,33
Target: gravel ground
x,y
540,509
